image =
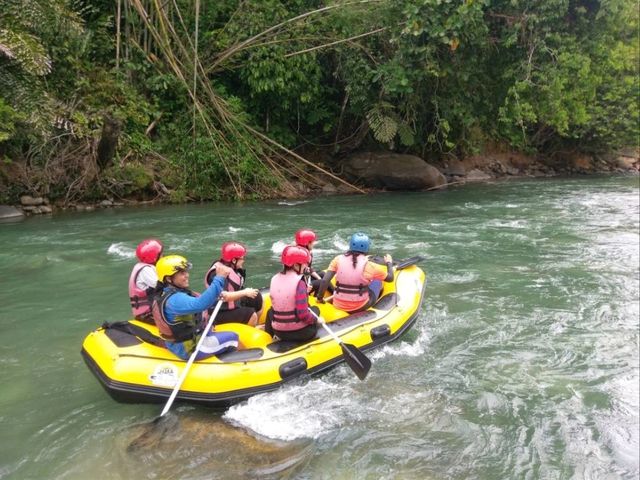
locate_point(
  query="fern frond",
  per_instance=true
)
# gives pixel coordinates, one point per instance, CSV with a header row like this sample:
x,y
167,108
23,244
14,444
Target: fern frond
x,y
26,50
406,134
383,126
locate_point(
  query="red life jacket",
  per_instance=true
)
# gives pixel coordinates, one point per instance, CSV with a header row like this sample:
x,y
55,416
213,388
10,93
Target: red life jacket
x,y
183,327
283,301
233,283
351,286
140,301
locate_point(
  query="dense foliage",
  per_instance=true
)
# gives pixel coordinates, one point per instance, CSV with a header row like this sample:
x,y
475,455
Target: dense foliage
x,y
201,100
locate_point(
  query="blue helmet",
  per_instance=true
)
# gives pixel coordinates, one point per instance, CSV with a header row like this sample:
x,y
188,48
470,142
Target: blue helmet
x,y
359,242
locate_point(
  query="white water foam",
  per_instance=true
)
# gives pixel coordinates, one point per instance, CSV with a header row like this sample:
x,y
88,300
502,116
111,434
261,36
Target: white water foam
x,y
400,349
517,224
307,410
339,242
319,406
278,247
405,349
417,245
291,203
121,250
467,277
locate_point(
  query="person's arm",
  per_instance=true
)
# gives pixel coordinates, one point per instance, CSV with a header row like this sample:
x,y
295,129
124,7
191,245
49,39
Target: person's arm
x,y
245,292
326,279
182,304
389,261
324,284
375,271
302,303
147,278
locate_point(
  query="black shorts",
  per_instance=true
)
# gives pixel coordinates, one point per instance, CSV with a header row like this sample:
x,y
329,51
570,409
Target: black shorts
x,y
237,315
242,313
304,334
254,303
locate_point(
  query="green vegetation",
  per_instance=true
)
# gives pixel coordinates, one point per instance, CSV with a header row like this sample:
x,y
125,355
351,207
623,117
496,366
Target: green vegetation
x,y
189,100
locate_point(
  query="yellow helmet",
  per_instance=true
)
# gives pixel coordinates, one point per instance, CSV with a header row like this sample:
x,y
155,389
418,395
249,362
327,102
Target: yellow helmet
x,y
170,265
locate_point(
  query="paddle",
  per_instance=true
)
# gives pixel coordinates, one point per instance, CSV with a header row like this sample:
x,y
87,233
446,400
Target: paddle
x,y
145,438
409,261
357,361
187,367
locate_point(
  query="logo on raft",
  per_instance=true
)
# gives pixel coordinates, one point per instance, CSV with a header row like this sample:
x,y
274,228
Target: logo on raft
x,y
165,375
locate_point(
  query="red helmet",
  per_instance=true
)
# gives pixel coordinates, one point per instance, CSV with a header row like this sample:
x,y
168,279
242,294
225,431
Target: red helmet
x,y
294,254
232,250
149,251
304,237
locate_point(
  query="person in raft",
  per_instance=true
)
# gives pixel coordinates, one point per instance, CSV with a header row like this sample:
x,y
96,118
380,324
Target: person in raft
x,y
358,280
242,305
289,317
178,312
307,239
143,281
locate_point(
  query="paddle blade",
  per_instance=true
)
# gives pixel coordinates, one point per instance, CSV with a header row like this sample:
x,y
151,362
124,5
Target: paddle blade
x,y
151,433
357,360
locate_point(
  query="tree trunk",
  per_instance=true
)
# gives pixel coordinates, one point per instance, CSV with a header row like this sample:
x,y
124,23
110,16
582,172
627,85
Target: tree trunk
x,y
108,141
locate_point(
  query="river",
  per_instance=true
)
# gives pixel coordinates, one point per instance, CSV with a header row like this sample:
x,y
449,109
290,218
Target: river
x,y
523,363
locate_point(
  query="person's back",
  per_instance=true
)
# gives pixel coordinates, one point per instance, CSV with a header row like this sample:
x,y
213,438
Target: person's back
x,y
352,280
143,280
289,317
358,280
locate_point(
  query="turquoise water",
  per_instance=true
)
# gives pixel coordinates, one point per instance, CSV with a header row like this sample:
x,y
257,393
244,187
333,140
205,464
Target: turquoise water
x,y
523,362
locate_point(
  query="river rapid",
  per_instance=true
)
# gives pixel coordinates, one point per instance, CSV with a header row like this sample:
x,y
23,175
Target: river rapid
x,y
523,362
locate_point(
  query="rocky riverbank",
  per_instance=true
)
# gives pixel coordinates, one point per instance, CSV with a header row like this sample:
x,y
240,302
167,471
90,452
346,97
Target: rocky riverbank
x,y
375,171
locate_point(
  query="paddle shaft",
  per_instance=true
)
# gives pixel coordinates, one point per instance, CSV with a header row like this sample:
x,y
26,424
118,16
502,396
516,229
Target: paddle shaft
x,y
192,358
329,331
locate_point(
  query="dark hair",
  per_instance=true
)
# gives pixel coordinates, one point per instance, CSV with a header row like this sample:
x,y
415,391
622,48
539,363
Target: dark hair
x,y
354,257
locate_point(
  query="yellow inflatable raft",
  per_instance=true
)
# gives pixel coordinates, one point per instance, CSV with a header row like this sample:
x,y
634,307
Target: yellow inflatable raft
x,y
130,363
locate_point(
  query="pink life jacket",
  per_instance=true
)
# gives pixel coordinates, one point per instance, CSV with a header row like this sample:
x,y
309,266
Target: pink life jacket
x,y
233,283
351,286
140,301
283,301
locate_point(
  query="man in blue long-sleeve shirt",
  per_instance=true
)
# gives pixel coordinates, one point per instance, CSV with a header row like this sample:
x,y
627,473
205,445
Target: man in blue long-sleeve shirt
x,y
177,312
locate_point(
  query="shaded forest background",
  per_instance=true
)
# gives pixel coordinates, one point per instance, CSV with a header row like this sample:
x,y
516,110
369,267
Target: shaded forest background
x,y
192,100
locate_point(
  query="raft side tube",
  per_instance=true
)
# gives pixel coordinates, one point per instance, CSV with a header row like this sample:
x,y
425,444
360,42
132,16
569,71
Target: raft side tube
x,y
250,337
292,368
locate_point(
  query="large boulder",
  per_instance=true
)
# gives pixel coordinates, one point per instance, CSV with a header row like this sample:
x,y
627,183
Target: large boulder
x,y
8,213
393,171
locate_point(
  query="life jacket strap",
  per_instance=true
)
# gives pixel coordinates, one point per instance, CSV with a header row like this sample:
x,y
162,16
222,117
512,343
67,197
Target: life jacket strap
x,y
354,289
278,316
136,301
